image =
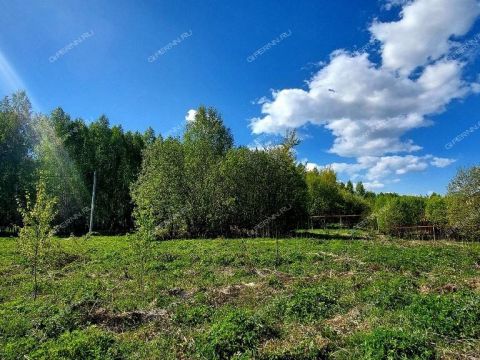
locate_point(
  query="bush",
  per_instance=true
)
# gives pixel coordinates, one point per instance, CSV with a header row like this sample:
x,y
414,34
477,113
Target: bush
x,y
396,344
463,202
400,211
235,334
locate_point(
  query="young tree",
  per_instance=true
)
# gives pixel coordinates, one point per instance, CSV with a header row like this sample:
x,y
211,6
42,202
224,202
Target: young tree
x,y
35,239
142,243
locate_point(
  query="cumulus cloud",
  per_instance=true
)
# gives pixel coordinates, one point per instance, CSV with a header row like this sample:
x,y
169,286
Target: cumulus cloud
x,y
423,34
370,107
191,115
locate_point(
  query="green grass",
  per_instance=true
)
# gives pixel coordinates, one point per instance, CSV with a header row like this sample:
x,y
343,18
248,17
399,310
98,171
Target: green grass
x,y
323,299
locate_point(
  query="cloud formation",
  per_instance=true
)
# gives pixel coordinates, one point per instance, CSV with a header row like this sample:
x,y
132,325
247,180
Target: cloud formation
x,y
369,107
190,115
424,32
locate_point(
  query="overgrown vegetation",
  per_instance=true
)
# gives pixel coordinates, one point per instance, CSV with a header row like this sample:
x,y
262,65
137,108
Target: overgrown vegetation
x,y
336,299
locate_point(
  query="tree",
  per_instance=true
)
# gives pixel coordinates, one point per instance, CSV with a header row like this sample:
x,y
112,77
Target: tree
x,y
17,166
161,187
80,150
360,189
62,177
206,141
436,210
463,202
324,192
142,243
203,186
349,187
35,240
263,192
399,211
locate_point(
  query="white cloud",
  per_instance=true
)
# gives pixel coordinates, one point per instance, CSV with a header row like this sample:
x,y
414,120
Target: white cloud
x,y
370,107
380,167
423,34
191,115
374,185
441,162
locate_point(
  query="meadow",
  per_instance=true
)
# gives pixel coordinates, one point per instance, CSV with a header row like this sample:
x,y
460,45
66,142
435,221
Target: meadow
x,y
308,298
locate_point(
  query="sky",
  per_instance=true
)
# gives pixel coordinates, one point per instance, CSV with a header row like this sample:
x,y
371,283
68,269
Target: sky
x,y
383,91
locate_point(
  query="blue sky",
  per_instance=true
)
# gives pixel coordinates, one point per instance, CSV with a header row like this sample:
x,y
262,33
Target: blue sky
x,y
378,90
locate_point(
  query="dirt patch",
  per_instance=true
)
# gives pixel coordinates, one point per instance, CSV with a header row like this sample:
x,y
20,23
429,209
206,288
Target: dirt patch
x,y
228,293
346,323
296,341
62,259
474,283
179,292
120,322
444,289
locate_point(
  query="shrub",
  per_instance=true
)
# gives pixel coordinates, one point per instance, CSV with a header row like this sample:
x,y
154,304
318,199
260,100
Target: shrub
x,y
237,333
395,344
463,202
400,211
35,240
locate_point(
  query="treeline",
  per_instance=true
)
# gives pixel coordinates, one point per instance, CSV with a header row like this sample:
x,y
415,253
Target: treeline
x,y
198,184
66,153
456,215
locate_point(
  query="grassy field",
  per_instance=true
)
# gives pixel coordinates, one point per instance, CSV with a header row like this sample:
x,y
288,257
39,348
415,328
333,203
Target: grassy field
x,y
323,299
